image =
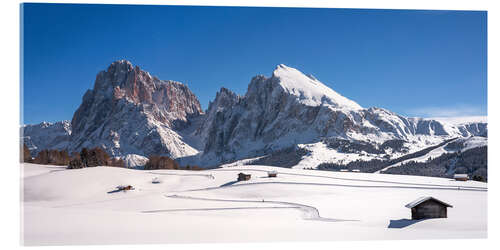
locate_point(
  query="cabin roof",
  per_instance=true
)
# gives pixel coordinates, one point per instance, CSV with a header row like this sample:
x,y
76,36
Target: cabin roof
x,y
460,176
425,198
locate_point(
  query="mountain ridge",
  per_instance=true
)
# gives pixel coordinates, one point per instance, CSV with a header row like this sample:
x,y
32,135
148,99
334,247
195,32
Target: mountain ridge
x,y
128,111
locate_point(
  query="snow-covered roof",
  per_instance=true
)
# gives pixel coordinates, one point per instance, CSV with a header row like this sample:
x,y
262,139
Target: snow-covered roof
x,y
425,198
460,176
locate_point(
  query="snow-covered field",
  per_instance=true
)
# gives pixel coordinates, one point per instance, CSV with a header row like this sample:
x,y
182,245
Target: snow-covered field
x,y
81,207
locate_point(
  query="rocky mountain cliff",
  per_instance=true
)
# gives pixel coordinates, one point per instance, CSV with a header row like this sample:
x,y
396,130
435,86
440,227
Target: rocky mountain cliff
x,y
130,112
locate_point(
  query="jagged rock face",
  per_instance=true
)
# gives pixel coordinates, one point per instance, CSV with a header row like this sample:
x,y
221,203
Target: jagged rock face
x,y
224,101
130,112
286,109
46,135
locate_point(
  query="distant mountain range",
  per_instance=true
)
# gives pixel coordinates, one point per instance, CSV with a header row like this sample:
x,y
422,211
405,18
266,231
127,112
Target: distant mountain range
x,y
132,115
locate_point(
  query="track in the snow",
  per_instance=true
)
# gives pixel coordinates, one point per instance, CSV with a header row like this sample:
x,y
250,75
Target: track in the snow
x,y
203,175
308,212
212,209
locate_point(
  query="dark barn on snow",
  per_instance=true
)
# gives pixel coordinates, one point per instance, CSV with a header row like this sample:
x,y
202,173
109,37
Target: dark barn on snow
x,y
428,207
243,177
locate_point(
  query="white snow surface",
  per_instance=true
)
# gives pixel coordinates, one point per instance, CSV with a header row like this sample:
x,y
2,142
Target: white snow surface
x,y
309,90
474,142
80,206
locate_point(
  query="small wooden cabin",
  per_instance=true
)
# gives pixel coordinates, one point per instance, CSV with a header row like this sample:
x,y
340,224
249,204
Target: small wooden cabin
x,y
272,174
243,177
461,177
344,170
428,207
356,170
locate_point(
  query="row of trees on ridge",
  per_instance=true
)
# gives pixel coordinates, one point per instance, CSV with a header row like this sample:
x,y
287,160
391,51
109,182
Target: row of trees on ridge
x,y
95,157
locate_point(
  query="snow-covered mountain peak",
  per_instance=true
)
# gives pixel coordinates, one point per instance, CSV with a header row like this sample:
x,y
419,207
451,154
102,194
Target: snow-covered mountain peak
x,y
309,90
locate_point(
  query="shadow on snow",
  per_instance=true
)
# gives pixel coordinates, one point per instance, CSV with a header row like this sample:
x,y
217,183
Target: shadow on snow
x,y
402,223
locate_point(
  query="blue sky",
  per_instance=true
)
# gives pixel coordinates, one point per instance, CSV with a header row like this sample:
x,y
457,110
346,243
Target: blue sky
x,y
415,63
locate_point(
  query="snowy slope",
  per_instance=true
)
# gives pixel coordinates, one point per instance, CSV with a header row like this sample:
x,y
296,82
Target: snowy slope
x,y
467,143
320,153
79,206
473,142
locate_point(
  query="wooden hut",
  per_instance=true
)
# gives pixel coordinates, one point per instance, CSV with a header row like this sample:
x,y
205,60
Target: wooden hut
x,y
461,177
243,177
273,173
428,207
